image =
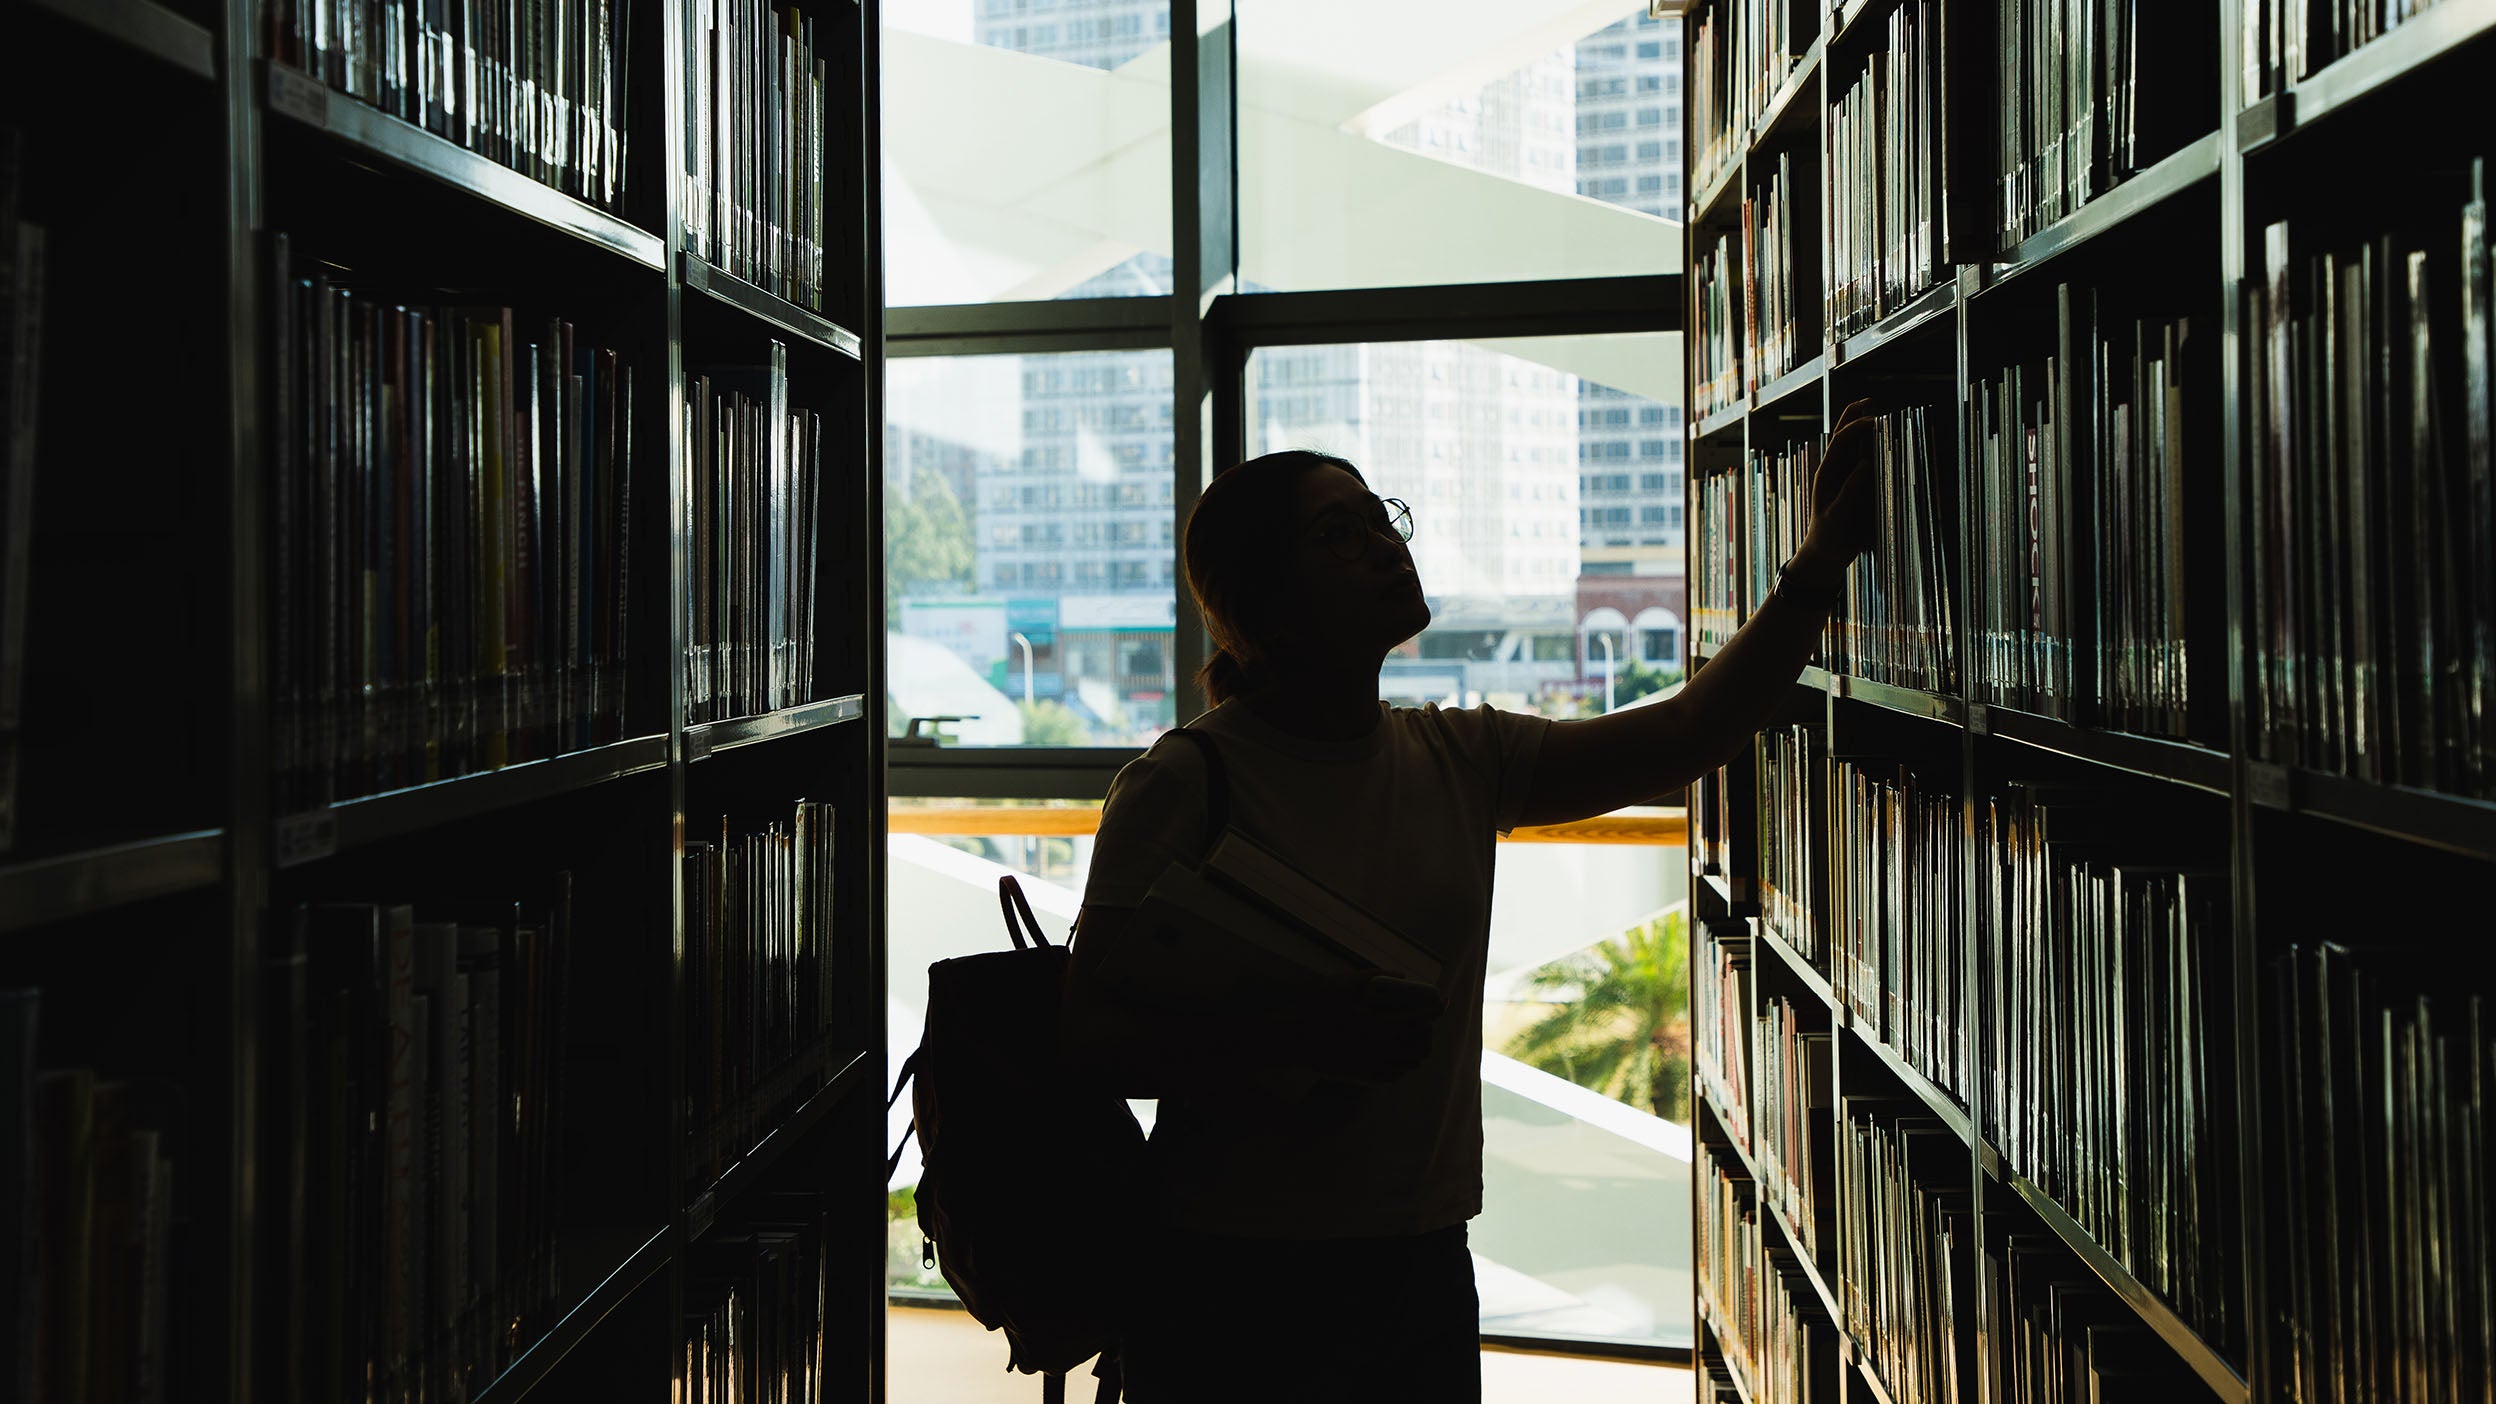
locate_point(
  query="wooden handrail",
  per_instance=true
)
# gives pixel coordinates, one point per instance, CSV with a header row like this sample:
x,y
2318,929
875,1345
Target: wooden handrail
x,y
1652,827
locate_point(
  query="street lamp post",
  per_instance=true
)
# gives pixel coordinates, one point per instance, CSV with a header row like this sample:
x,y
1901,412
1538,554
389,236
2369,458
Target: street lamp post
x,y
1025,645
1605,638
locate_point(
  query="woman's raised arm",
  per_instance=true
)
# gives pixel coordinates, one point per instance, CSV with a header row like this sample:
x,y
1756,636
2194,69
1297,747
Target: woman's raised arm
x,y
1600,764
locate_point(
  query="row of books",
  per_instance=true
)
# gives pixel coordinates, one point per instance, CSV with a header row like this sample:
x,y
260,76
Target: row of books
x,y
452,518
2069,119
1797,1071
1740,54
1886,221
758,106
1790,783
757,1305
2380,1095
2055,1334
1720,1022
2080,486
1772,315
1897,887
1898,622
86,1244
1750,523
1769,1324
754,480
758,975
1905,1247
21,344
2108,1037
1716,381
537,85
2373,475
2286,40
418,1099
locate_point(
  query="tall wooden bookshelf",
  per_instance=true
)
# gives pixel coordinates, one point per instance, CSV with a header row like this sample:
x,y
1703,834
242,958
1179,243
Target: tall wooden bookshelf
x,y
168,859
2292,853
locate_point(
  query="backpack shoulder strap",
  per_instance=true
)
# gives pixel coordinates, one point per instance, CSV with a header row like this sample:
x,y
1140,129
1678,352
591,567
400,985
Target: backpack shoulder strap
x,y
1217,783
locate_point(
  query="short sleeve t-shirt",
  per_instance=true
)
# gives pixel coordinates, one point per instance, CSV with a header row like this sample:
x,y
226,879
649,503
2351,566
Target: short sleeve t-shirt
x,y
1403,821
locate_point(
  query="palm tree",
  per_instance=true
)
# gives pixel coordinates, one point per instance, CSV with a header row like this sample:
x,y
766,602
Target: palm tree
x,y
1623,1025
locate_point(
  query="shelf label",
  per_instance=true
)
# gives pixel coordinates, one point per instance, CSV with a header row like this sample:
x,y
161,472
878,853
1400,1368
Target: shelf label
x,y
302,838
298,96
2267,786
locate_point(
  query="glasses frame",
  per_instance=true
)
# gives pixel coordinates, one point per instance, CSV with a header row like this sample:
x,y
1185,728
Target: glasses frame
x,y
1398,516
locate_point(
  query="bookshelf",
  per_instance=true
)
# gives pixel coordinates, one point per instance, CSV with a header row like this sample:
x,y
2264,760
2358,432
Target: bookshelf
x,y
2140,811
406,991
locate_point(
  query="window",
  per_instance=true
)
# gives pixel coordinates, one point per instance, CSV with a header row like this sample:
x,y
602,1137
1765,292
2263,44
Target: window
x,y
976,214
1016,505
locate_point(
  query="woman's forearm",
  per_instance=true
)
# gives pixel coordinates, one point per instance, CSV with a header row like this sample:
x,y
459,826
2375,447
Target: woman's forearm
x,y
1729,700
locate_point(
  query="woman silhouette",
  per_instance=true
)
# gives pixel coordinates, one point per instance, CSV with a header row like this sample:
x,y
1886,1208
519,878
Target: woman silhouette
x,y
1318,1147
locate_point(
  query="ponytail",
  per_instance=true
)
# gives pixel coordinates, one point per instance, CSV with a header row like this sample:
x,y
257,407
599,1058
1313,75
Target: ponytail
x,y
1223,677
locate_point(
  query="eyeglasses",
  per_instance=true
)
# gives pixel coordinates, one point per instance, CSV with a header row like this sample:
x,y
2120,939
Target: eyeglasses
x,y
1345,533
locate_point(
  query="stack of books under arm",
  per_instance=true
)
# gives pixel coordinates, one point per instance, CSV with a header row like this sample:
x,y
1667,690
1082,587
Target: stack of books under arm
x,y
1740,54
758,103
1896,886
1906,1244
2373,482
21,376
419,1097
758,972
2070,125
1720,1023
1772,334
2282,41
1886,221
2055,1333
754,482
452,512
2109,1047
1897,621
1718,383
756,1305
2378,1108
538,87
1792,1153
86,1248
2082,611
1791,777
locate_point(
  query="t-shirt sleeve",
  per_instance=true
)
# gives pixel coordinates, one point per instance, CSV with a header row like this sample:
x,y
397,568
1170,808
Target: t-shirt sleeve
x,y
1503,747
1154,816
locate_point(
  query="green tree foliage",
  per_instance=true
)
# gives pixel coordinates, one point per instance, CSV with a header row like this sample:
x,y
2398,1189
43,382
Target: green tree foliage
x,y
1623,1025
1050,723
927,543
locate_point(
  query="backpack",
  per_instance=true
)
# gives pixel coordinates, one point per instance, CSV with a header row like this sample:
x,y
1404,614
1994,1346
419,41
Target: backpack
x,y
1029,1170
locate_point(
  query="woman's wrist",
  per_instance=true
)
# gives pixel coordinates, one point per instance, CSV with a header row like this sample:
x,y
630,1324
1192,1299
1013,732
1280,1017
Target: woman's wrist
x,y
1815,576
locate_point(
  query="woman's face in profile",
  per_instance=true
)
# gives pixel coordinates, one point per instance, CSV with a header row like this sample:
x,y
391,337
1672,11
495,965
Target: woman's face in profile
x,y
1353,575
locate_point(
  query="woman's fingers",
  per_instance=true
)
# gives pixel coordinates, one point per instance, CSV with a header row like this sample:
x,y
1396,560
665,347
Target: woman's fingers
x,y
1854,411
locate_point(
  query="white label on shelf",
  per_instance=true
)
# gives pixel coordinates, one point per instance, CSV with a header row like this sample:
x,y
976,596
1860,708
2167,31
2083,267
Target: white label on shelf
x,y
301,838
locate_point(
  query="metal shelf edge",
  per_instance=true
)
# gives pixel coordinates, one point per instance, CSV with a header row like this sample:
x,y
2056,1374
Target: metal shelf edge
x,y
40,891
730,290
707,738
532,1366
1923,1088
704,1209
2161,1318
2195,766
2168,177
2413,44
1921,311
148,27
316,833
1812,979
2454,823
1801,377
307,101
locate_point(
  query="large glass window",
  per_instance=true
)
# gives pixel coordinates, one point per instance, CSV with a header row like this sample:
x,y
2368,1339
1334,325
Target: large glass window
x,y
1385,144
1516,547
1028,551
1585,1075
1026,150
